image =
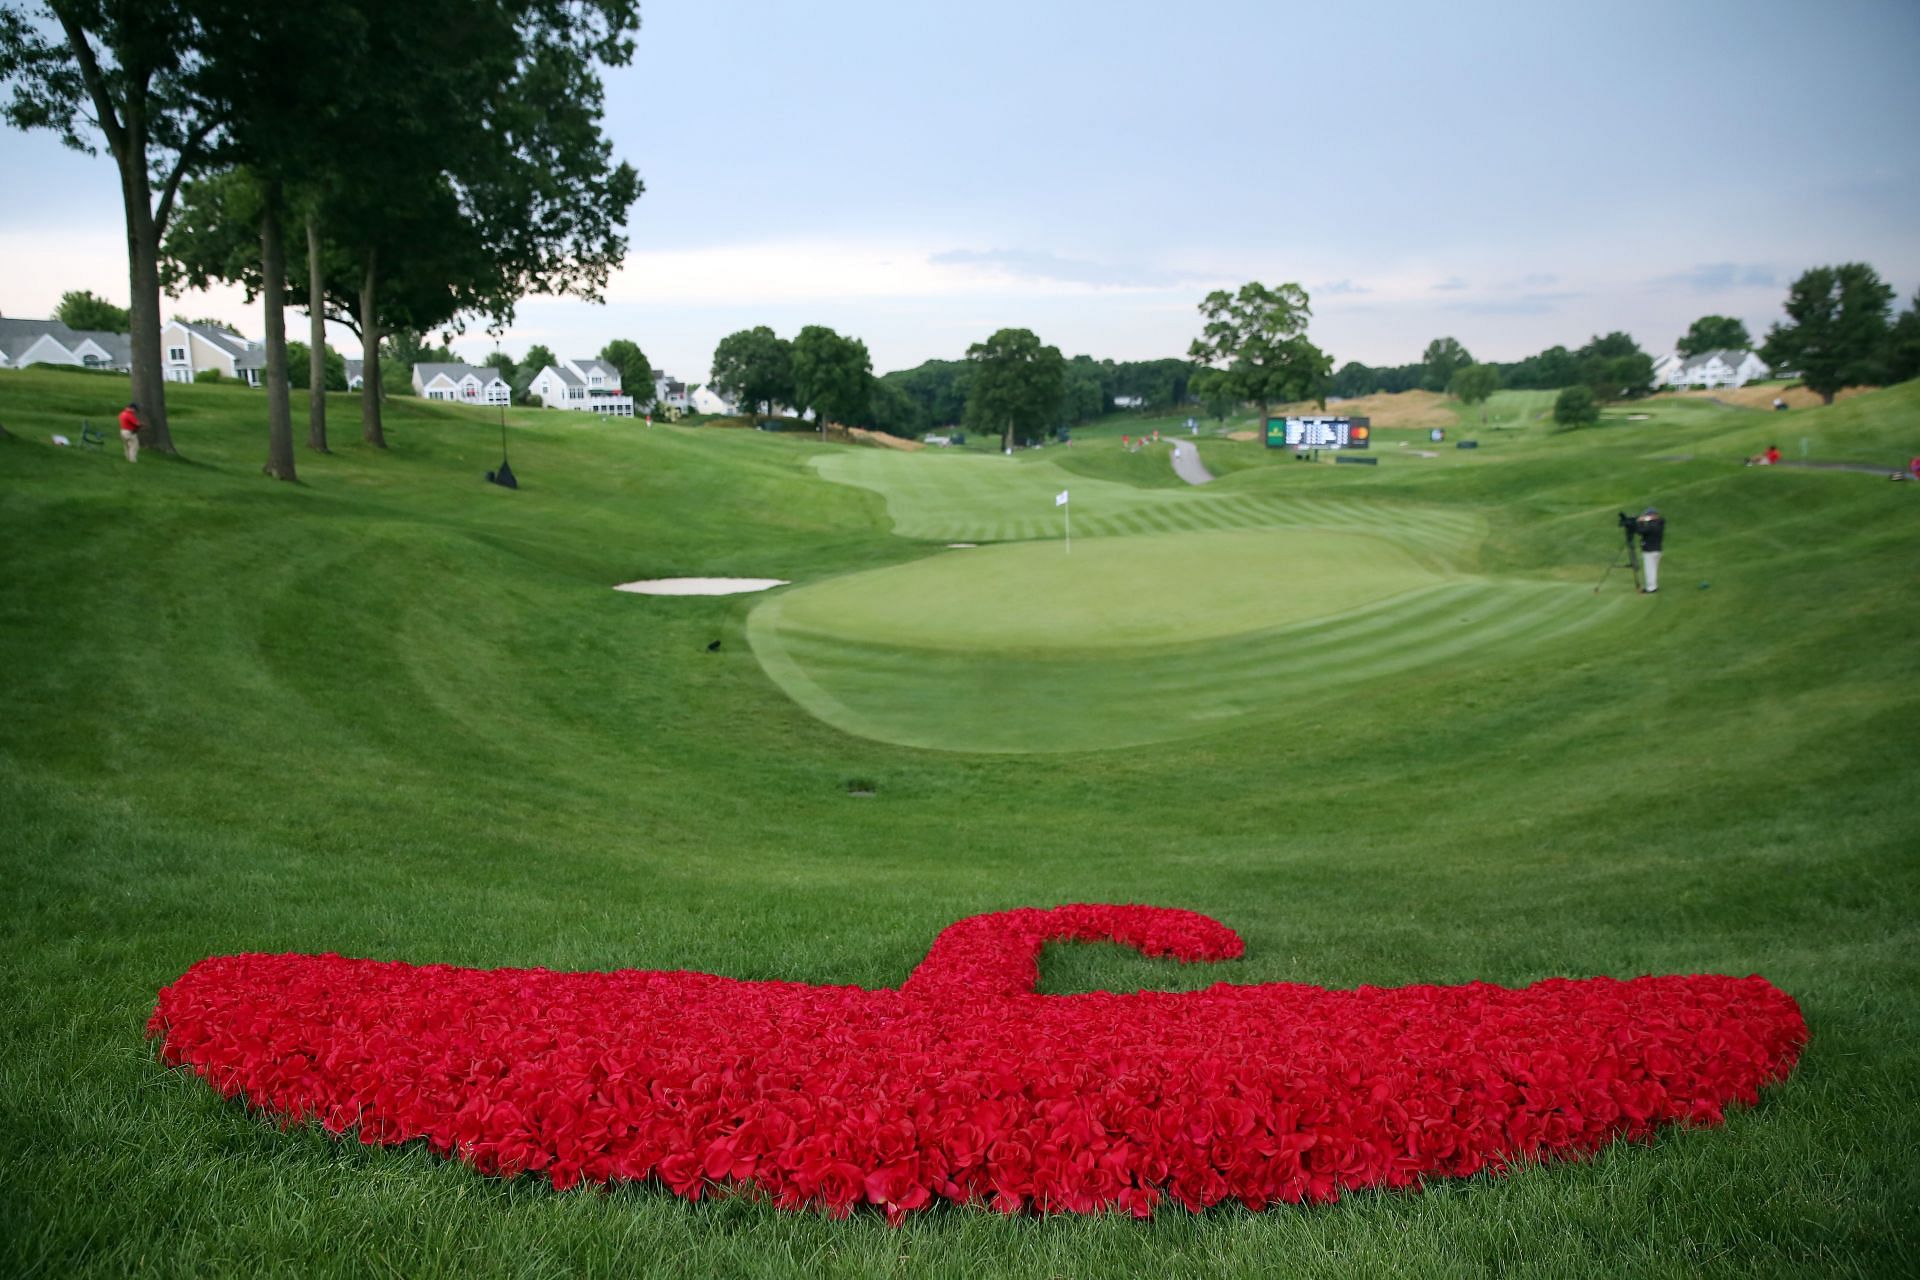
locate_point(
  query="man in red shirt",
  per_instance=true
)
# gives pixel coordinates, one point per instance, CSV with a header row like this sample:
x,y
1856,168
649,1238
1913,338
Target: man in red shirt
x,y
130,431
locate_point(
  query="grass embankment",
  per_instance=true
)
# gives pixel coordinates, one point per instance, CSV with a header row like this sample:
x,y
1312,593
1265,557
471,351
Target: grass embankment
x,y
393,711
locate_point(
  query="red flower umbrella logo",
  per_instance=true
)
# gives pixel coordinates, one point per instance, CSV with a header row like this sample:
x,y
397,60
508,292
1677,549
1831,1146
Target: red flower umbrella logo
x,y
966,1085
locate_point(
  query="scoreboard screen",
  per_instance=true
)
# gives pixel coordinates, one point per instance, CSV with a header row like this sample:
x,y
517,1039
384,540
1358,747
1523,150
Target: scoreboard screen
x,y
1319,433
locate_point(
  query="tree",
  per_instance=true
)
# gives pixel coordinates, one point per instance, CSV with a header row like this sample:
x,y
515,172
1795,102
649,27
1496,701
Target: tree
x,y
1442,358
636,372
300,368
1714,333
1614,367
1216,396
1837,329
1903,344
830,375
1576,407
538,358
80,309
1016,385
1258,339
1474,384
123,73
752,368
895,412
939,387
503,363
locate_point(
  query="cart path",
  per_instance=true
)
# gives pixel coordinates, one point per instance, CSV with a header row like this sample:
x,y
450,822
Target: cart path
x,y
1187,464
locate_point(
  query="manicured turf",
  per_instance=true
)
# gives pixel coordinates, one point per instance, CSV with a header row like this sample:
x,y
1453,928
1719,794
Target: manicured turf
x,y
393,711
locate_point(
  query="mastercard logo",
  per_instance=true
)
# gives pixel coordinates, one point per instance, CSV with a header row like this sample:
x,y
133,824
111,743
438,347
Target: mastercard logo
x,y
1358,433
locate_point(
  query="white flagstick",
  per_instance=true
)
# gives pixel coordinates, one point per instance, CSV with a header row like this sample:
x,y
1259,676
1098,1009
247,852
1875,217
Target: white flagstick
x,y
1067,515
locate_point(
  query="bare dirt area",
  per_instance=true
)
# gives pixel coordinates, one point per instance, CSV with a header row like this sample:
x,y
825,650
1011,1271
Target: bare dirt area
x,y
1761,397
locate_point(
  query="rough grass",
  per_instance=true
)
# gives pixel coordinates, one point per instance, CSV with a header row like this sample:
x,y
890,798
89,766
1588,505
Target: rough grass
x,y
393,711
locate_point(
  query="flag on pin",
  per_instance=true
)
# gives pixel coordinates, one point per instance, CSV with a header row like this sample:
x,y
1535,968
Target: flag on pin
x,y
1060,499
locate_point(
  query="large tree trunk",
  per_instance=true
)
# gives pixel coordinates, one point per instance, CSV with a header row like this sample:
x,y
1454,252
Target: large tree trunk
x,y
273,293
317,340
370,429
143,290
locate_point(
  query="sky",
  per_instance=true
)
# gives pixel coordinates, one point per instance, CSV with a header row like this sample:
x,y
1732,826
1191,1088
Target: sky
x,y
1515,175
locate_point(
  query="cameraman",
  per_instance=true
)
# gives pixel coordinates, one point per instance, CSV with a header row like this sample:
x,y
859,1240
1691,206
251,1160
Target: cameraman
x,y
1651,528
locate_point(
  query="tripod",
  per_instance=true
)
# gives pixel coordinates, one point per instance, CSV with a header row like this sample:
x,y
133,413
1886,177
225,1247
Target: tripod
x,y
1633,563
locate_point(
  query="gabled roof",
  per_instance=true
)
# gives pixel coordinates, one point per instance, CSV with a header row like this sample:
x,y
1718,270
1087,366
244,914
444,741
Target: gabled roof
x,y
568,376
16,336
482,373
1728,357
118,346
225,339
598,365
353,369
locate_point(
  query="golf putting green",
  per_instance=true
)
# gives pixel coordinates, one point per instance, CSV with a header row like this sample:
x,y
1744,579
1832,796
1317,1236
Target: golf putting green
x,y
1025,648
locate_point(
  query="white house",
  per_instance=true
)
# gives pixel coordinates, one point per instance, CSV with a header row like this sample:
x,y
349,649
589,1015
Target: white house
x,y
355,379
25,342
1710,369
707,400
187,348
461,383
587,386
669,392
1129,402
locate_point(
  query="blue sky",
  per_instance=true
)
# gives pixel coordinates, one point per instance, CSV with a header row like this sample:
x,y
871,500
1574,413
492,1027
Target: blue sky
x,y
1514,175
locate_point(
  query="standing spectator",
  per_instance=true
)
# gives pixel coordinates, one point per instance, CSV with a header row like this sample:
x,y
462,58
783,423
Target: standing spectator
x,y
130,425
1652,528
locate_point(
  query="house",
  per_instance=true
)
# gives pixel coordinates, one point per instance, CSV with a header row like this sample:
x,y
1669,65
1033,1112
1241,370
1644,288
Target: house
x,y
355,379
188,348
461,383
25,342
1723,368
668,392
707,400
587,386
1129,402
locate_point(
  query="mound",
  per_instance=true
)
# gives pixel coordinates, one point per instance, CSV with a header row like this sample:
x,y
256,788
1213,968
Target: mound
x,y
1762,397
1405,409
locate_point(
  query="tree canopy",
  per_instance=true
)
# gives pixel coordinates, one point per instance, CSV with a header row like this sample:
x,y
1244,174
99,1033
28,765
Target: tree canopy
x,y
831,375
1837,329
1442,358
1257,338
754,368
1474,384
636,372
1576,407
80,309
1016,385
1714,333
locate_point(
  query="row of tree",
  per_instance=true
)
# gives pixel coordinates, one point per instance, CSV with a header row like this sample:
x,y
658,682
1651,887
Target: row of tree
x,y
442,159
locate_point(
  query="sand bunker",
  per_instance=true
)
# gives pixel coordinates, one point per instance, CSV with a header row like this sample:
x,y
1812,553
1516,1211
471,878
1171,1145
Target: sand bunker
x,y
699,586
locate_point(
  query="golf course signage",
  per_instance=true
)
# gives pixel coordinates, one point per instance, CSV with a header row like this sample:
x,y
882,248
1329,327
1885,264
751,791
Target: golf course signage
x,y
1319,433
967,1085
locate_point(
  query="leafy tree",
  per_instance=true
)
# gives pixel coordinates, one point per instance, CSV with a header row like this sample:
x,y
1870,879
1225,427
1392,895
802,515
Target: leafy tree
x,y
830,375
538,358
1903,344
1083,394
1474,384
501,361
1576,407
299,367
636,373
1442,358
939,387
754,368
120,73
1614,367
1216,394
1258,339
1016,385
895,412
80,309
1715,333
1837,329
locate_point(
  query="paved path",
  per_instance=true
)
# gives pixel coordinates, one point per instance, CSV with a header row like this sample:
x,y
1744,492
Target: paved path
x,y
1187,464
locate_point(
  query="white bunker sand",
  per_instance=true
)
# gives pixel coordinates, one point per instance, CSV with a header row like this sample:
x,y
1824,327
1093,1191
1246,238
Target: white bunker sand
x,y
699,586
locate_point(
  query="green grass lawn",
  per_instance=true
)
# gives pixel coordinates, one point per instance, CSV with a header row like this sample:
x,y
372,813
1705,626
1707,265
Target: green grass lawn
x,y
394,711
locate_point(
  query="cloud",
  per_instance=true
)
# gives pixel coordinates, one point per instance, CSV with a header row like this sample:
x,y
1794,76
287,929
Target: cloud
x,y
1537,303
1720,277
1338,288
1449,284
1039,264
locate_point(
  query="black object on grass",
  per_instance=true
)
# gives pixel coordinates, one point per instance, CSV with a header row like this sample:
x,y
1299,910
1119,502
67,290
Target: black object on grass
x,y
504,477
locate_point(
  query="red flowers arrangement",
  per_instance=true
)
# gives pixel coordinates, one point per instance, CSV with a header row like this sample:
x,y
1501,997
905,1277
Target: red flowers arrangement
x,y
964,1084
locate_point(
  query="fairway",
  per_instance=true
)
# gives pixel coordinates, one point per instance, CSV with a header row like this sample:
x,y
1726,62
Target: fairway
x,y
1374,719
1123,641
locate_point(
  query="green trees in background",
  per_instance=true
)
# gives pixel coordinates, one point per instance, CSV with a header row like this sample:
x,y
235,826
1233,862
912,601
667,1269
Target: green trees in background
x,y
1016,386
1614,367
1441,360
1714,333
754,369
831,375
300,368
80,309
120,73
1837,329
538,357
1474,384
1576,407
1903,344
636,371
1257,339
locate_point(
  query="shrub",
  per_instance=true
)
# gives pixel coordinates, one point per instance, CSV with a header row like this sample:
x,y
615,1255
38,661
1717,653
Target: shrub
x,y
207,375
1576,407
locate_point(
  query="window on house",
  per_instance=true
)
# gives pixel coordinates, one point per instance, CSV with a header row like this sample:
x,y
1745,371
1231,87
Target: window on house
x,y
177,354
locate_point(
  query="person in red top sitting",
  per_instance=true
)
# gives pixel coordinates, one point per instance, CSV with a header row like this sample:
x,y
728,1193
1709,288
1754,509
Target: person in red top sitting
x,y
1772,455
130,431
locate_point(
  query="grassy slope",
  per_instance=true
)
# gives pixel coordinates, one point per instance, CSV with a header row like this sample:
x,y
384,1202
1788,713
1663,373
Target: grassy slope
x,y
394,711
